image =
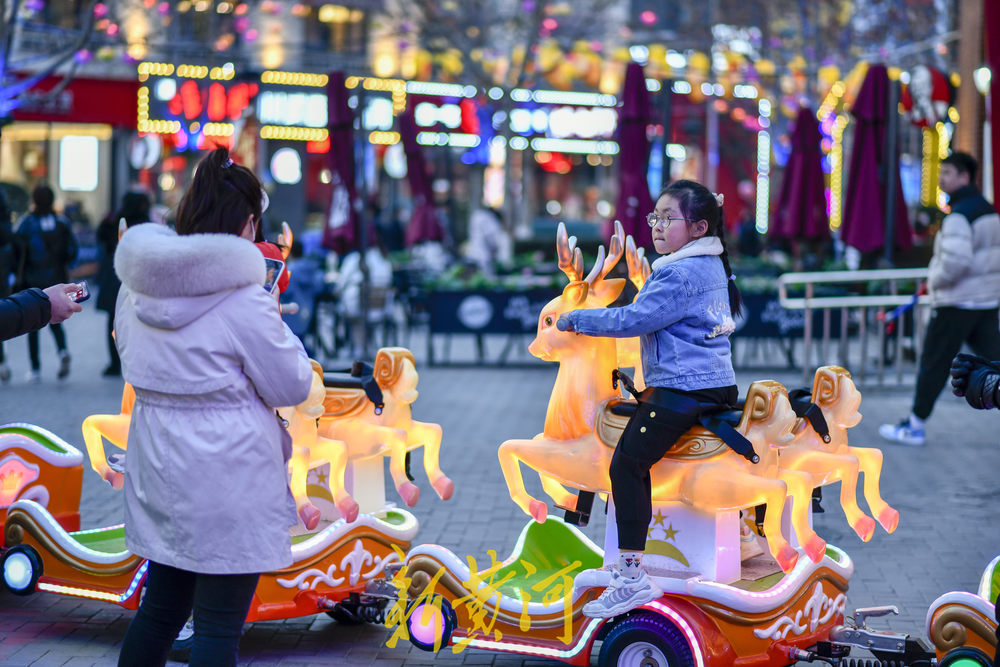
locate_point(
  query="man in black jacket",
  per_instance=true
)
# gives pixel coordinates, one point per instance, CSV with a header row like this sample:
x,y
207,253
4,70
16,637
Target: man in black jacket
x,y
978,379
31,309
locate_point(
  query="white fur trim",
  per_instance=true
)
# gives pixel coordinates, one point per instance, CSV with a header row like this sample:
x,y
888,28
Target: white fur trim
x,y
706,245
153,260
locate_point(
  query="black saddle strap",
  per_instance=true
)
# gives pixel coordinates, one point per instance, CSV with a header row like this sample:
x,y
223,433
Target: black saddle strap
x,y
802,405
365,372
689,407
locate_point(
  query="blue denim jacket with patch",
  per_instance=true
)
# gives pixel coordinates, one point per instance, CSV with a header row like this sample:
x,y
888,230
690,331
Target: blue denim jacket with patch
x,y
682,315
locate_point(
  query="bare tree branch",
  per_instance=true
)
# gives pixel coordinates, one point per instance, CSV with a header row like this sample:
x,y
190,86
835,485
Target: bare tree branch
x,y
10,93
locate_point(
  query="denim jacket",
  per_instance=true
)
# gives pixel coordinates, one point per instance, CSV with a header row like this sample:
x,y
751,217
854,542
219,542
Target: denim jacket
x,y
682,314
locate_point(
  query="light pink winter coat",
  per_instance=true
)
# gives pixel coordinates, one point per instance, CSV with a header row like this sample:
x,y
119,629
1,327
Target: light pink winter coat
x,y
206,488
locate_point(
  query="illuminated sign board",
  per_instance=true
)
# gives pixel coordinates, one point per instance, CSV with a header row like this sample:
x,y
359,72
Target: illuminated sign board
x,y
302,109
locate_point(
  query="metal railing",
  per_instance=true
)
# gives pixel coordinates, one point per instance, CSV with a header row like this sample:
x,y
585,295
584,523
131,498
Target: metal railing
x,y
854,308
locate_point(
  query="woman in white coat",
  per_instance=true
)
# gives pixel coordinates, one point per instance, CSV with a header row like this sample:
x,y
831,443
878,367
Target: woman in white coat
x,y
206,490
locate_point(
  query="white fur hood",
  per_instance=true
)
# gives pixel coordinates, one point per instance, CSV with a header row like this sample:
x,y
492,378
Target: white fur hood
x,y
173,280
706,245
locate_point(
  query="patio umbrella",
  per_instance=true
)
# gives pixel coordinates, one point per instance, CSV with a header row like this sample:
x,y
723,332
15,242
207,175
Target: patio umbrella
x,y
341,233
801,211
634,201
864,205
424,224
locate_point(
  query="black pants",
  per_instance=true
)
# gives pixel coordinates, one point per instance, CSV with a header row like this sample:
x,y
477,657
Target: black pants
x,y
220,603
57,333
644,442
948,329
116,362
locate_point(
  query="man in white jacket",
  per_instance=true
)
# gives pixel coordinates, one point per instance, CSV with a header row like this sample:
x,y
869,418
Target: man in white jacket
x,y
964,284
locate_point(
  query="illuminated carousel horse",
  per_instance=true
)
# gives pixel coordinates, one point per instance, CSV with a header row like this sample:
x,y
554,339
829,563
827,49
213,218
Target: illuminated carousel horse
x,y
113,428
569,450
390,430
309,448
839,399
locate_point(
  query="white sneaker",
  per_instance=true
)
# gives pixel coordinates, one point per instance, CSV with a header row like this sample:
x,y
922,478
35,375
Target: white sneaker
x,y
34,377
622,594
903,433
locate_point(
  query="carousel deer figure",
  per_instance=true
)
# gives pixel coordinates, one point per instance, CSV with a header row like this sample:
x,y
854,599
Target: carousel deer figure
x,y
638,271
839,399
569,450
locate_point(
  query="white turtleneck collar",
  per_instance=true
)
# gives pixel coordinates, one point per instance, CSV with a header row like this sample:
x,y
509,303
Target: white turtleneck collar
x,y
706,245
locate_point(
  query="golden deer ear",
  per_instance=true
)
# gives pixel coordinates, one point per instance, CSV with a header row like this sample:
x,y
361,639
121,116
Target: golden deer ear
x,y
574,294
606,291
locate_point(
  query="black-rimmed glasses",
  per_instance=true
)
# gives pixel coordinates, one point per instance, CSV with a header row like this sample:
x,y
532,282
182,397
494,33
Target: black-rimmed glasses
x,y
653,219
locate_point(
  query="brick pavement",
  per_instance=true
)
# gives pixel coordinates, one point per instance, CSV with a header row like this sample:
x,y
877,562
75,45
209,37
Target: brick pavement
x,y
945,492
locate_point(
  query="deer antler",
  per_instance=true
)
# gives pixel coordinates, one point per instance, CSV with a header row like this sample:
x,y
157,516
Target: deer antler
x,y
570,257
616,246
638,265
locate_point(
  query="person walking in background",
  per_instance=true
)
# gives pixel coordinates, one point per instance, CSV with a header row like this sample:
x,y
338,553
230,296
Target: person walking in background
x,y
134,210
206,491
8,264
305,283
47,248
964,284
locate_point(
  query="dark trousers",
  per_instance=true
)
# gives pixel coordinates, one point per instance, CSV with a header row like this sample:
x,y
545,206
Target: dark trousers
x,y
644,441
116,362
220,603
948,329
57,333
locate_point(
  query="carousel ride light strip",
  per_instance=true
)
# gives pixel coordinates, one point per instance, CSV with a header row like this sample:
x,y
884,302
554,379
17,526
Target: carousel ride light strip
x,y
69,453
98,595
528,649
684,627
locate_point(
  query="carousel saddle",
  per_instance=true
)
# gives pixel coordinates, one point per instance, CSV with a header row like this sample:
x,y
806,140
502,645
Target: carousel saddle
x,y
716,432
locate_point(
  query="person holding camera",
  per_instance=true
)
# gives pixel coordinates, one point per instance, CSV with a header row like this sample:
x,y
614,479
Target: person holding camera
x,y
978,380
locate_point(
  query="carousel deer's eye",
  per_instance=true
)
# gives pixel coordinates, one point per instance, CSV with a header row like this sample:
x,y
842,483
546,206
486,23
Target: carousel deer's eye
x,y
548,321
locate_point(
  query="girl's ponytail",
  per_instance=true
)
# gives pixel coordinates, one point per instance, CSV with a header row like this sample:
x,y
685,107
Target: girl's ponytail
x,y
735,298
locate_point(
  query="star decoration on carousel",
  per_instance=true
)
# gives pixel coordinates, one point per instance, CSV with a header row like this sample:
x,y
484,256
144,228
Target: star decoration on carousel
x,y
658,519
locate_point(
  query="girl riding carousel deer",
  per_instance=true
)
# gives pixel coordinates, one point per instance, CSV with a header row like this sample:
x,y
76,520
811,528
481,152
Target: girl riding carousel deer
x,y
684,316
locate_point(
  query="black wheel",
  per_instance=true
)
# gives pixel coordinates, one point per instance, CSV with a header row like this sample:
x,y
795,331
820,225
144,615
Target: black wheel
x,y
645,639
965,656
21,566
430,622
346,613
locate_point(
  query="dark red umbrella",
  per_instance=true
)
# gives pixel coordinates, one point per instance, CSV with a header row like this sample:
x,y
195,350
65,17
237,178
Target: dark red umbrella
x,y
341,232
424,224
865,199
801,212
634,115
991,30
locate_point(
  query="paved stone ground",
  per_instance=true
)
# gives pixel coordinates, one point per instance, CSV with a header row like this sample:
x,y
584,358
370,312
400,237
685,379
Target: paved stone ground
x,y
946,492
